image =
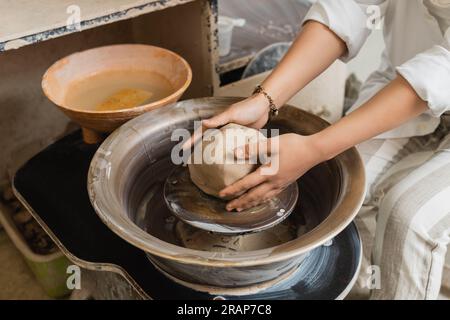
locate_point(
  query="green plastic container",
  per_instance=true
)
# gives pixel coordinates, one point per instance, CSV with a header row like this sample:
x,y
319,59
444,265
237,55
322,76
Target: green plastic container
x,y
49,270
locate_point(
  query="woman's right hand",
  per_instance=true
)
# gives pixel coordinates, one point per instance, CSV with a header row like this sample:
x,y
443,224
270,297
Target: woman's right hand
x,y
252,112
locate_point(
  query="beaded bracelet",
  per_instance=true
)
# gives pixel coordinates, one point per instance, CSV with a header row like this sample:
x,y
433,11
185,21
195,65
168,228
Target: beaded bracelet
x,y
273,108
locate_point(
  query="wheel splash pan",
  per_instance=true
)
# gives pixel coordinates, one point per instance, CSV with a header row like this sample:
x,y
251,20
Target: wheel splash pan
x,y
125,185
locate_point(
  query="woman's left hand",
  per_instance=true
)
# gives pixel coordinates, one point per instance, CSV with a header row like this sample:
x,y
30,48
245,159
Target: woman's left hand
x,y
291,155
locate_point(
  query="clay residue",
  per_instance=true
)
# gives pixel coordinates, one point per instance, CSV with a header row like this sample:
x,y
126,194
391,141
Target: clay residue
x,y
197,239
125,99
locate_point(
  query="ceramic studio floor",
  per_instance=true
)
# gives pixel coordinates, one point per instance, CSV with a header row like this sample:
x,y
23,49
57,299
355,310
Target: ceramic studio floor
x,y
16,280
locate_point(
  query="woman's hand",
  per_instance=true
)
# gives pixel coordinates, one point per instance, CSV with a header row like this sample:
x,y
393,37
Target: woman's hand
x,y
291,155
252,112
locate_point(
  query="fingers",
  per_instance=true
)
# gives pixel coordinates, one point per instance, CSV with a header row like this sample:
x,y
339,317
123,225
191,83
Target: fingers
x,y
255,196
214,122
257,150
248,182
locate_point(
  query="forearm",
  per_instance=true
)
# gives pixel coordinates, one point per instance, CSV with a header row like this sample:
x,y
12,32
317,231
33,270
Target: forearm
x,y
314,50
392,106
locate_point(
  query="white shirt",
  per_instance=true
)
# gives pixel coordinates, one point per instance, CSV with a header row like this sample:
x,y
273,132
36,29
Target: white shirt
x,y
417,37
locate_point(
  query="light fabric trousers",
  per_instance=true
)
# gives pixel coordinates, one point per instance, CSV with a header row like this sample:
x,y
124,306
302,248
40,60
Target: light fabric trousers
x,y
405,220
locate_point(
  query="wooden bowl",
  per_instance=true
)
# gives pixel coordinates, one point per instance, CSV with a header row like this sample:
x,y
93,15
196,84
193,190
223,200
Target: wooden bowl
x,y
81,67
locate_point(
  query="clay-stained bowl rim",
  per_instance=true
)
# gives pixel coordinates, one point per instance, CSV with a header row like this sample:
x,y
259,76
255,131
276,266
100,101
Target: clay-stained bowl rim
x,y
129,111
110,211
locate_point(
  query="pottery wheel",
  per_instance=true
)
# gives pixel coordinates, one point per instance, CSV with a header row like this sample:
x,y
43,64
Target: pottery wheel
x,y
193,206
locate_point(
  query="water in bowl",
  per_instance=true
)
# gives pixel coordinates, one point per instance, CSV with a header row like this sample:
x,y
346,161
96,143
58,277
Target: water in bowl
x,y
117,89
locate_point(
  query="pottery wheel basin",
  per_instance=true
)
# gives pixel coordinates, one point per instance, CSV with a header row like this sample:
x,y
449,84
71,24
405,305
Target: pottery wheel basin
x,y
126,180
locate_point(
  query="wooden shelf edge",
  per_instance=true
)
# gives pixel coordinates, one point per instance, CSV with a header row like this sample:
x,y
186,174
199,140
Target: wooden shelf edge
x,y
18,41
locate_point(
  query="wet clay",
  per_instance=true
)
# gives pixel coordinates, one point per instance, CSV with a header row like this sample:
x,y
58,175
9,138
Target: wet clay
x,y
217,167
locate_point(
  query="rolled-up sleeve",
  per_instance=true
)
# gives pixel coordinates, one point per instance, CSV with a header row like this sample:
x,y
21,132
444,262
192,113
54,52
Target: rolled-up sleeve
x,y
429,75
348,19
